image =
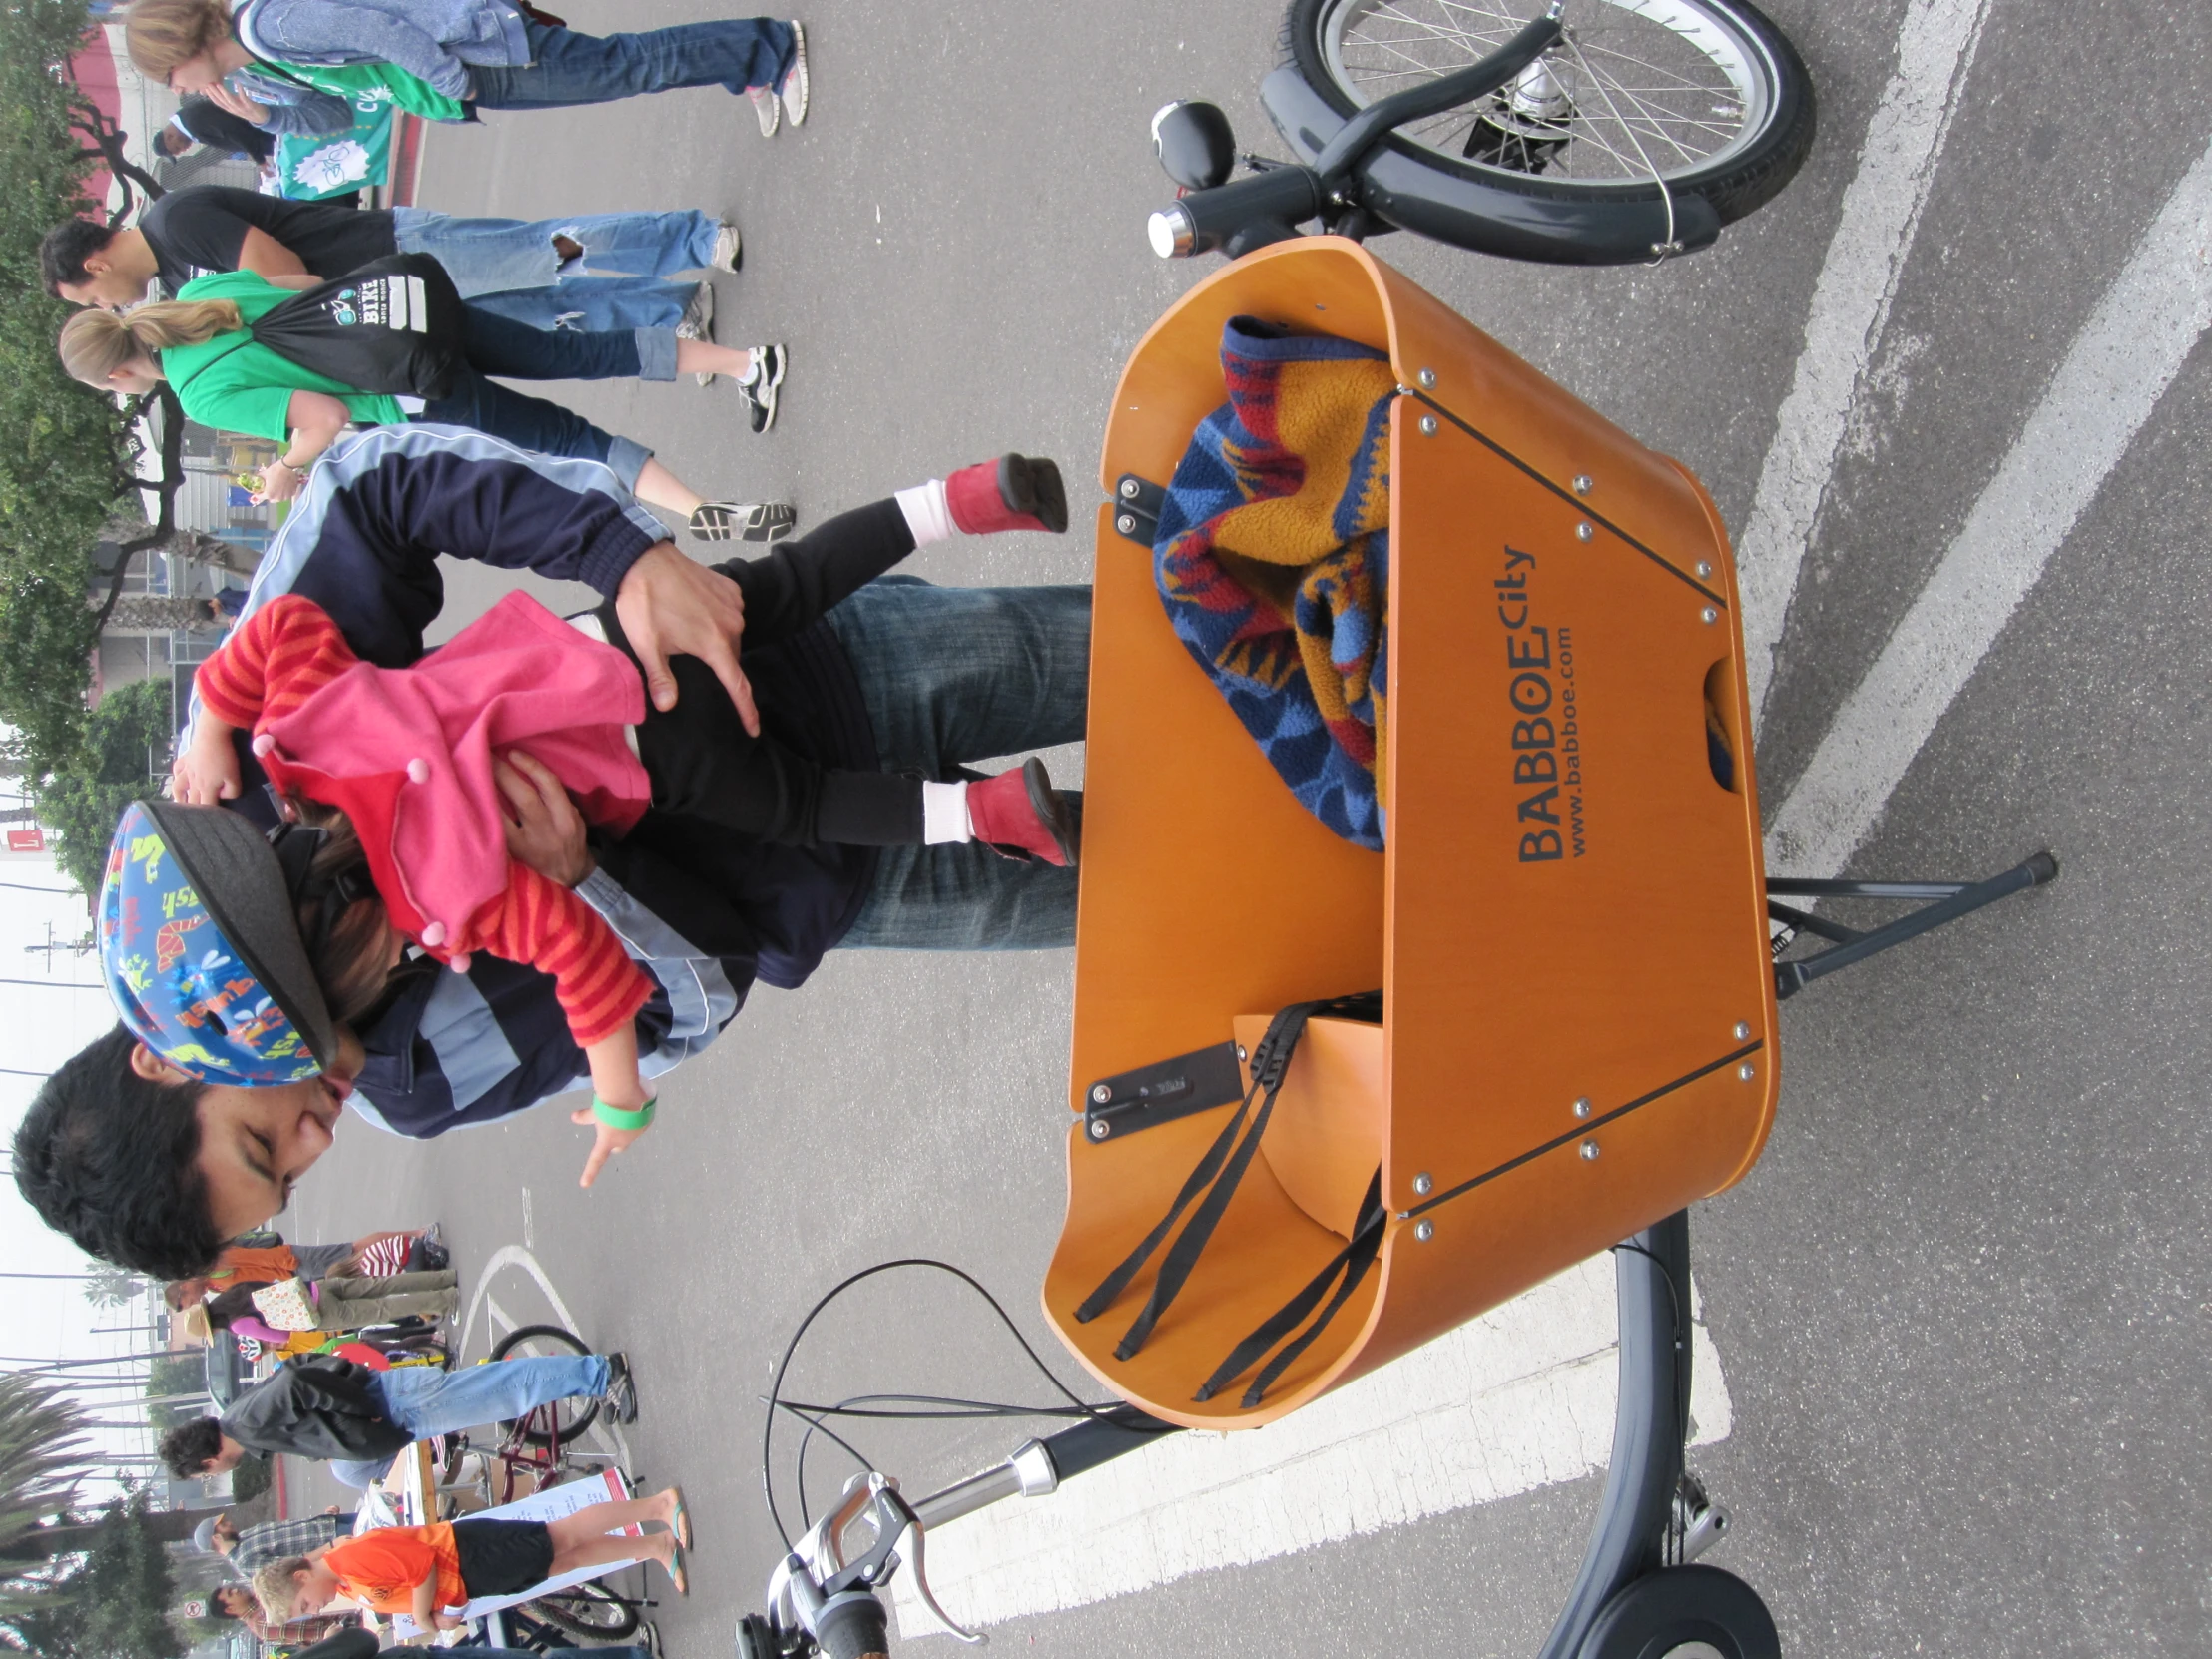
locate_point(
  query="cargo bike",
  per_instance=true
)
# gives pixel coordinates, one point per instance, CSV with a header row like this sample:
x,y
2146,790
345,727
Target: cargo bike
x,y
1327,1104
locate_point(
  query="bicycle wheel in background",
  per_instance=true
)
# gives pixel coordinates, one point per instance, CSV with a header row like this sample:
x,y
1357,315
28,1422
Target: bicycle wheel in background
x,y
587,1610
565,1418
1706,95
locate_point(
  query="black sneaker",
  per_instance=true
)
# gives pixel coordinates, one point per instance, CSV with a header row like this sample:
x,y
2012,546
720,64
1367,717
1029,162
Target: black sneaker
x,y
621,1398
769,364
757,521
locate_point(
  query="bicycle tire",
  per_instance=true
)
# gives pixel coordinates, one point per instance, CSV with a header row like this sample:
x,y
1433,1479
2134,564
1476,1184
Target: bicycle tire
x,y
1752,173
576,1416
586,1611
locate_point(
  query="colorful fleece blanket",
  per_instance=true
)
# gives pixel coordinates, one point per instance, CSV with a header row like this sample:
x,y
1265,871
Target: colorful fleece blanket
x,y
1273,559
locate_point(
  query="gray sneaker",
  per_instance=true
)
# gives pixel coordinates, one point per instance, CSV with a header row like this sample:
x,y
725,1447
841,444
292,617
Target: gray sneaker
x,y
767,106
699,323
793,93
756,521
621,1398
728,252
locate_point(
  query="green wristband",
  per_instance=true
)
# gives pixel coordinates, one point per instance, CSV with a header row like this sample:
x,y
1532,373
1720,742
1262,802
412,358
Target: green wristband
x,y
615,1117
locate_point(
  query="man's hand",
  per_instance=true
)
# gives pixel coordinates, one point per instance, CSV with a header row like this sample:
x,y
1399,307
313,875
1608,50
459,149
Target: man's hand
x,y
670,605
280,482
223,96
544,828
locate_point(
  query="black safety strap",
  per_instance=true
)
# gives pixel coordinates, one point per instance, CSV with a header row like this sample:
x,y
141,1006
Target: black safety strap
x,y
1219,1172
1353,1262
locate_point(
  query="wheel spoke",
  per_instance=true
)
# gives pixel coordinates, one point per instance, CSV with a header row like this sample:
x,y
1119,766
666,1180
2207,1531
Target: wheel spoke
x,y
1652,88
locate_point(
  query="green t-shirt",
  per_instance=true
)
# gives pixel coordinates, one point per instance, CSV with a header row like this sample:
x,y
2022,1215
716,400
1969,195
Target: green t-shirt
x,y
246,387
375,83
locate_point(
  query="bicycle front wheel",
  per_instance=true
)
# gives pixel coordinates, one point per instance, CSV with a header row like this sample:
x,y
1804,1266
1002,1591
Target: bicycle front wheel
x,y
564,1420
1643,97
589,1611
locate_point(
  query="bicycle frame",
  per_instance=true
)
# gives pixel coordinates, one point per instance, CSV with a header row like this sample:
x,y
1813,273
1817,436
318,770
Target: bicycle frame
x,y
1649,1517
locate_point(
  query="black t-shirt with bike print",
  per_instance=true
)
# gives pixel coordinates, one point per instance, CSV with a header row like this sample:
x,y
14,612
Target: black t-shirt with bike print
x,y
201,229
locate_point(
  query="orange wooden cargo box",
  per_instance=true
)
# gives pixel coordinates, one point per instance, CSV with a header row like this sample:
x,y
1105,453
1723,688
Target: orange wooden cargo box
x,y
1578,1026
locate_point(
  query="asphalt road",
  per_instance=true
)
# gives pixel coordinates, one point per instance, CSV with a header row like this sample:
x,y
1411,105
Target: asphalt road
x,y
1960,1303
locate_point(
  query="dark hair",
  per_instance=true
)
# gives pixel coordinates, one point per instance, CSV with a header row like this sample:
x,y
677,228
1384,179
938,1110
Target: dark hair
x,y
348,953
63,250
108,1157
216,1609
190,1448
235,1302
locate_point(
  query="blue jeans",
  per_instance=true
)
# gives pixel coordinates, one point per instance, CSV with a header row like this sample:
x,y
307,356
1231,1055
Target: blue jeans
x,y
425,1401
569,68
500,346
951,676
491,256
592,304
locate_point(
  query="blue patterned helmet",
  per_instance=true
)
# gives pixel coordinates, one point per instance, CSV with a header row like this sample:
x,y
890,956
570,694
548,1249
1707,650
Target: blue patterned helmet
x,y
200,946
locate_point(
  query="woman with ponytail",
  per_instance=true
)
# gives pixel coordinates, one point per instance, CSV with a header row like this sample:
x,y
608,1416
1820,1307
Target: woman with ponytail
x,y
223,377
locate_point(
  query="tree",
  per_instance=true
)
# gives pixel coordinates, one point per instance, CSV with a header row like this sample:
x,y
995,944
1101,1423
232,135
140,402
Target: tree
x,y
67,454
124,754
108,1286
114,1602
43,1457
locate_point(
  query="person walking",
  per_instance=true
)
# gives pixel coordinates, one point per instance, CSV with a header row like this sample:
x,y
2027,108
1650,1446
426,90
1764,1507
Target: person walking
x,y
594,272
336,1411
250,1548
224,379
294,64
334,1635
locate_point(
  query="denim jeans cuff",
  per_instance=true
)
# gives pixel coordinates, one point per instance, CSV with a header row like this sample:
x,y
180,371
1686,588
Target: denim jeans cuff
x,y
656,353
626,458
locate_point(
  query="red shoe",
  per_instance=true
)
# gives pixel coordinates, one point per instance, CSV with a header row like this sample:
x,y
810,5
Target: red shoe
x,y
1010,493
1019,815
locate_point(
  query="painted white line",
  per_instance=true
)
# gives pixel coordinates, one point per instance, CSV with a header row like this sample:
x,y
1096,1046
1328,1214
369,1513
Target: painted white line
x,y
608,1436
1520,1399
2112,376
1851,308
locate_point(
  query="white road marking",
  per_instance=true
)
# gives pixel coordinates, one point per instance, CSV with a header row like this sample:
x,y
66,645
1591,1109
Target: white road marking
x,y
1851,308
1520,1399
2113,375
606,1436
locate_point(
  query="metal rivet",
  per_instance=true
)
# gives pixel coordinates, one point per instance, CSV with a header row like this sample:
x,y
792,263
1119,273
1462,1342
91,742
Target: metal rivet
x,y
1429,378
1101,1093
1427,427
1422,1183
1742,1029
1129,489
1709,615
1425,1230
1583,531
1126,523
1747,1071
1240,1055
1583,483
1590,1152
1582,1107
1704,568
1101,1129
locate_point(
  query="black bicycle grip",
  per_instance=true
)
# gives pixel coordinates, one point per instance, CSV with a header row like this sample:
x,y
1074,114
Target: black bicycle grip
x,y
853,1626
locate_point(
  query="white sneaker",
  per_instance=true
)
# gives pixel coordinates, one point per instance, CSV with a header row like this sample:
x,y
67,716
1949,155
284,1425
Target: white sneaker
x,y
793,92
728,252
769,108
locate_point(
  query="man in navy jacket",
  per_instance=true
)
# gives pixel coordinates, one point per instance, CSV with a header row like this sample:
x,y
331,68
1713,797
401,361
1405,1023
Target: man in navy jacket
x,y
155,1173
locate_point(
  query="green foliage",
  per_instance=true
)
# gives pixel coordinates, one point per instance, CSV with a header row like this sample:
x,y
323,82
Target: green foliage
x,y
43,1456
114,1602
65,452
108,1286
123,756
249,1478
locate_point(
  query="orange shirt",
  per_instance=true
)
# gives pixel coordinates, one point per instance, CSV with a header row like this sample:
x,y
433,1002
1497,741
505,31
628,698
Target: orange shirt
x,y
262,1262
382,1568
